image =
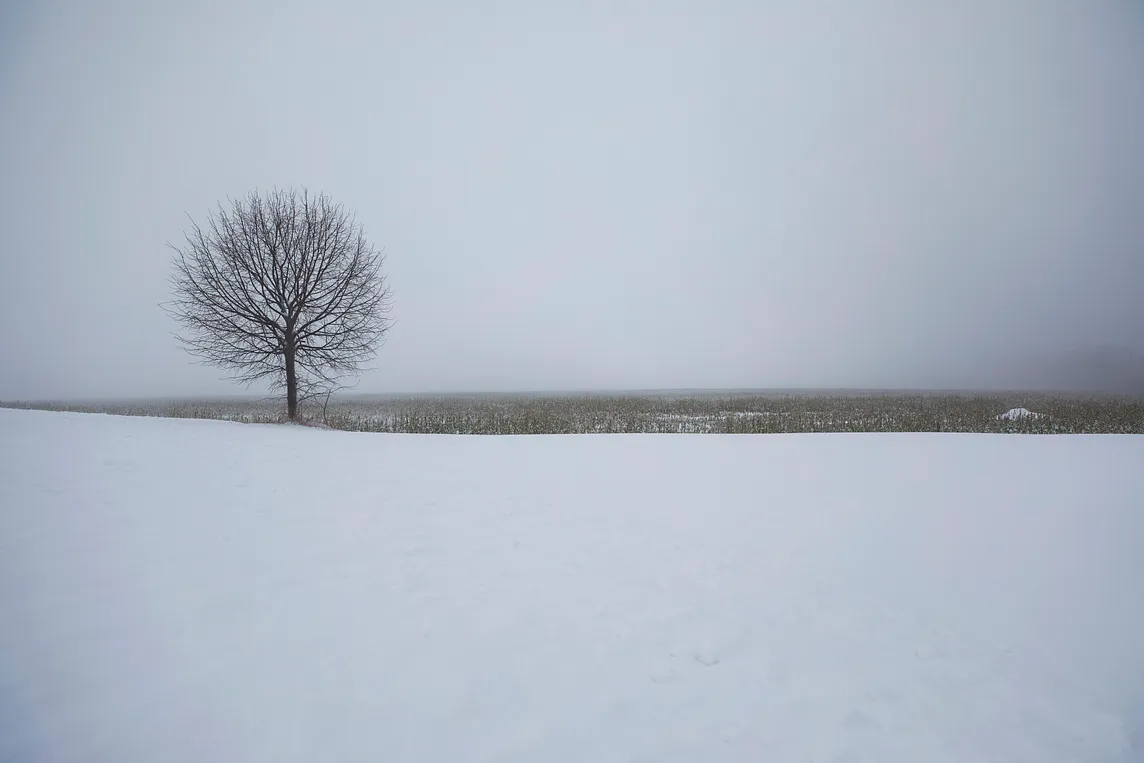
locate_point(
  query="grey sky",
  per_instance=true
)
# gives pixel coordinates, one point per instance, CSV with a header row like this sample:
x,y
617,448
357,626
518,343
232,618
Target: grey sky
x,y
592,194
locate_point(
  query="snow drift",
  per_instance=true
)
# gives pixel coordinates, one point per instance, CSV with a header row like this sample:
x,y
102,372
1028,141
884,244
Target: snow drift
x,y
196,590
1013,414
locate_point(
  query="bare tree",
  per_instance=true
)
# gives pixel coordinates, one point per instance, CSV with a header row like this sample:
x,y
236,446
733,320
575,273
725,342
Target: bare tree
x,y
283,287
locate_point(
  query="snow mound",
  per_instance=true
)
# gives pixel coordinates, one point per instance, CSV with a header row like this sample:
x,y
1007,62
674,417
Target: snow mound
x,y
197,590
1018,413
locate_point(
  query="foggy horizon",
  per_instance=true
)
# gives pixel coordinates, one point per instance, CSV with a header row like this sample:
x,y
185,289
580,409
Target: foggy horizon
x,y
595,196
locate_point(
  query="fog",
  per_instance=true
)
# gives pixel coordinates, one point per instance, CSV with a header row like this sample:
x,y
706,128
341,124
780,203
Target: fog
x,y
593,195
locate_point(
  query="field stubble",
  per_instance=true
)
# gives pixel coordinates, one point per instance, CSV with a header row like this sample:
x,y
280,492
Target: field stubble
x,y
692,413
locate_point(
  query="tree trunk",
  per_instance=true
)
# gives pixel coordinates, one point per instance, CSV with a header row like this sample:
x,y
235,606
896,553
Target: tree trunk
x,y
291,384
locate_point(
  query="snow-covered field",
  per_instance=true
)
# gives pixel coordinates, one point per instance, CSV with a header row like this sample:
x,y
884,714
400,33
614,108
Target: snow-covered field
x,y
203,591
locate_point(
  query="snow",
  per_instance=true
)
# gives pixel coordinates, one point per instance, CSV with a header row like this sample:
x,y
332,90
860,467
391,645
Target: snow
x,y
1018,413
195,590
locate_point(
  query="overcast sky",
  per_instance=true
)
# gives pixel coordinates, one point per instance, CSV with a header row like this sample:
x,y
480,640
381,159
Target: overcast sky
x,y
591,194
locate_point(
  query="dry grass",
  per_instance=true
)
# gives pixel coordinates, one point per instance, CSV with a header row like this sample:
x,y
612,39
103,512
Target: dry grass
x,y
668,413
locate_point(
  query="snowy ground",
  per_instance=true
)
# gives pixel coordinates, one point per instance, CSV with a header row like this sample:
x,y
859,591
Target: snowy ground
x,y
1013,414
196,590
